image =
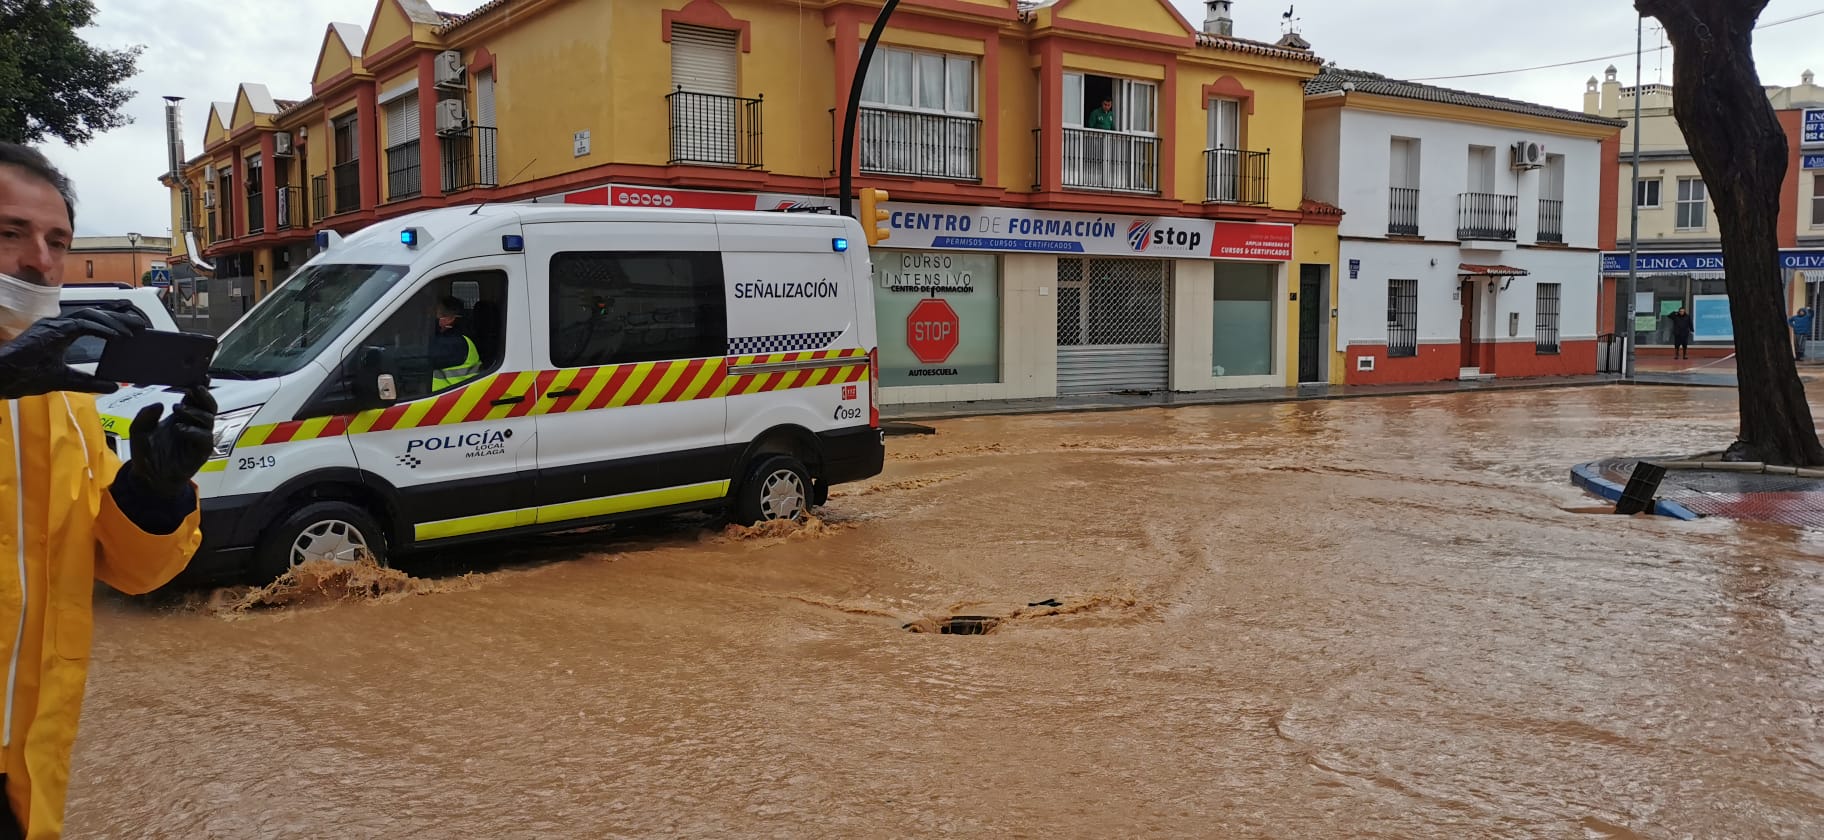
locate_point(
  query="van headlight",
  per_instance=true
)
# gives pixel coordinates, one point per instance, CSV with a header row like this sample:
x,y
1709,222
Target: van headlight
x,y
228,429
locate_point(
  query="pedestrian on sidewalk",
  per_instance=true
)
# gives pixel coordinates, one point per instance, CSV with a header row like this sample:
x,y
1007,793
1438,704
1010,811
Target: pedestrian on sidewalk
x,y
1681,333
1801,332
73,513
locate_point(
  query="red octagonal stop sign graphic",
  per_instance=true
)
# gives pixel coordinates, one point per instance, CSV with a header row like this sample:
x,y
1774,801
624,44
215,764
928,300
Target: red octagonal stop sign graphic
x,y
931,330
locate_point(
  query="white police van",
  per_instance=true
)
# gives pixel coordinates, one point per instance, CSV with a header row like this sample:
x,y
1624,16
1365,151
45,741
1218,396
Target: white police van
x,y
604,363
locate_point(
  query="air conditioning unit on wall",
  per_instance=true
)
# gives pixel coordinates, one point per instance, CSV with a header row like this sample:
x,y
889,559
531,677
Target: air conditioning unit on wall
x,y
1529,154
281,144
451,118
449,70
209,199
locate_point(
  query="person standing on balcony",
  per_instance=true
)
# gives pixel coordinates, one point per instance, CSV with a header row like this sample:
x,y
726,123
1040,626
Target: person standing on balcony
x,y
1103,118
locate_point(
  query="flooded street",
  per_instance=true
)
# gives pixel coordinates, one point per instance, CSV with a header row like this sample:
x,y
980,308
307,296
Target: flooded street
x,y
1365,618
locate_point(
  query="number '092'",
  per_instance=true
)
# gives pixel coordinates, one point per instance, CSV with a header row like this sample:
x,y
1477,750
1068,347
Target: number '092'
x,y
260,463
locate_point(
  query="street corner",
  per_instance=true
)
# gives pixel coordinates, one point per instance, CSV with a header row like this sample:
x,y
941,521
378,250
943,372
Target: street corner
x,y
1698,488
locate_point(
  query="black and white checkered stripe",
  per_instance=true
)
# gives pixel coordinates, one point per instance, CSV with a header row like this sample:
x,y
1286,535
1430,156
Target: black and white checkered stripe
x,y
793,343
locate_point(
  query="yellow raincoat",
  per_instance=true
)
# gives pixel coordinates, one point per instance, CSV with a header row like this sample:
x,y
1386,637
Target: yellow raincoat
x,y
55,470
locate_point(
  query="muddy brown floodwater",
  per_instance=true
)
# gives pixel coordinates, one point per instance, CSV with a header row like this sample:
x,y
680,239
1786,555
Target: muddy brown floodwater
x,y
1364,618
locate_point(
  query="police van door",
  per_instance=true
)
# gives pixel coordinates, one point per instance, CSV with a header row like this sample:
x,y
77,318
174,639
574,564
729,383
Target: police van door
x,y
633,321
458,442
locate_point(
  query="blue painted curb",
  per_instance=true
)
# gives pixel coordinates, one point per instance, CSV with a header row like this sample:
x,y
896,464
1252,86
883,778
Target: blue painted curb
x,y
1587,477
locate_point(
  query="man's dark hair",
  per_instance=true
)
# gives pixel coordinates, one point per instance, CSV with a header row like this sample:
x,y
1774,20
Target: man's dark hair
x,y
451,305
37,165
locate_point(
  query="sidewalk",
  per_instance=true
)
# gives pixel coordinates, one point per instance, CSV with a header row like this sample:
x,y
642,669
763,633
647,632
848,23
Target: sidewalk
x,y
1160,399
1734,491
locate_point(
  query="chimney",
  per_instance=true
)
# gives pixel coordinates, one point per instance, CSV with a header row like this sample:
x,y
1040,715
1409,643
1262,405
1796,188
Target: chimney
x,y
1592,97
1220,20
174,153
1611,93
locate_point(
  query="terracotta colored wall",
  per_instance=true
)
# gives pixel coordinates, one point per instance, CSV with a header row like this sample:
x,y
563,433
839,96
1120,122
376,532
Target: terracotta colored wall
x,y
1435,363
1519,359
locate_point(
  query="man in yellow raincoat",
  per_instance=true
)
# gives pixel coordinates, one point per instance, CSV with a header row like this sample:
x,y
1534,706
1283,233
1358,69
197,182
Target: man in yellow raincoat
x,y
70,512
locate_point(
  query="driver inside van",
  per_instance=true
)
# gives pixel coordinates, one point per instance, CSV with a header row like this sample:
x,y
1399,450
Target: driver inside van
x,y
454,359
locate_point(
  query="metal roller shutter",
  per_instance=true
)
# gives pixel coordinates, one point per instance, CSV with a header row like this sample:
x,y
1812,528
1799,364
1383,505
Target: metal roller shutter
x,y
1112,317
703,60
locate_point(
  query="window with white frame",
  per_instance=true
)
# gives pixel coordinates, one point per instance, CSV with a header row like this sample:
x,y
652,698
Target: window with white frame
x,y
1817,199
919,115
1111,137
1646,194
403,172
1130,105
1692,204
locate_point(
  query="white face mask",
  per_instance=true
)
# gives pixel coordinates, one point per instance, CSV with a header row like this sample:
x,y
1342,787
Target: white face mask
x,y
23,304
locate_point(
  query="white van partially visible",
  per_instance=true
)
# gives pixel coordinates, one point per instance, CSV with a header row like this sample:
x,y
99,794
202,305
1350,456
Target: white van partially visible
x,y
473,373
148,302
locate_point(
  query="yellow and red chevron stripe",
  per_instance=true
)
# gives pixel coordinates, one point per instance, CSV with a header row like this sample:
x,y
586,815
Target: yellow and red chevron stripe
x,y
582,389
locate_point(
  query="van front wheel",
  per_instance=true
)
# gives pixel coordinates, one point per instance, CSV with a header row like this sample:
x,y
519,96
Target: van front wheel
x,y
333,532
778,487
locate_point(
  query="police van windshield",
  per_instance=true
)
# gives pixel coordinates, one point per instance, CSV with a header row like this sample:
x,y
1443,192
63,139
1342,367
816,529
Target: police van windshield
x,y
300,318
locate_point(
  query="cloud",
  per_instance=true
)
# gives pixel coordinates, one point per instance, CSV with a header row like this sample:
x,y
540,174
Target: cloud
x,y
202,49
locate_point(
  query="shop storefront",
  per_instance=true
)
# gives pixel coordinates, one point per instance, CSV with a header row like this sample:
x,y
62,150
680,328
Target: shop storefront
x,y
1694,281
1049,303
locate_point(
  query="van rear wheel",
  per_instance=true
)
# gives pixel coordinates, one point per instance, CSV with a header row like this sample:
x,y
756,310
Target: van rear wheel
x,y
333,532
777,487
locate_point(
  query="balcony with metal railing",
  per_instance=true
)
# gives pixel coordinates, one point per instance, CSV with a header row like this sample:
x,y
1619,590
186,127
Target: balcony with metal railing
x,y
1235,176
290,208
1403,211
348,186
469,159
920,145
1487,217
1108,161
1551,221
713,129
319,197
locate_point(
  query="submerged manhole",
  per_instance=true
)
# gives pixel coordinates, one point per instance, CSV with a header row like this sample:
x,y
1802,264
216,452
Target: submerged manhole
x,y
958,625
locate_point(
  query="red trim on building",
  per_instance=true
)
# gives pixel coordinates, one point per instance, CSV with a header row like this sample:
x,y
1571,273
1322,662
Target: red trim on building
x,y
1520,359
974,10
1048,170
1789,189
1442,362
269,194
483,60
430,145
367,135
1608,199
1434,363
237,184
1229,87
708,13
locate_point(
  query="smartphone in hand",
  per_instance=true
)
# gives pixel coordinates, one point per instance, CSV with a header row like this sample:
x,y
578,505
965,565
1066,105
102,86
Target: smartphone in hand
x,y
154,357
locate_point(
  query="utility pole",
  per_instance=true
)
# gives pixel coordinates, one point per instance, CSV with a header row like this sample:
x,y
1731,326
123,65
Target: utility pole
x,y
846,179
1634,208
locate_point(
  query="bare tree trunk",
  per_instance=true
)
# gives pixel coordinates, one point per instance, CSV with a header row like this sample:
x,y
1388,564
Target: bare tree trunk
x,y
1736,140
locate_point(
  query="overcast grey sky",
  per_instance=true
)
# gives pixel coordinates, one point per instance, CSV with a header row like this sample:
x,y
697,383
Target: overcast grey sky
x,y
201,49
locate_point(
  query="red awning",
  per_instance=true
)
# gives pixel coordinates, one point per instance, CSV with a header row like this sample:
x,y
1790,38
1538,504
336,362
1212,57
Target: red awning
x,y
1474,270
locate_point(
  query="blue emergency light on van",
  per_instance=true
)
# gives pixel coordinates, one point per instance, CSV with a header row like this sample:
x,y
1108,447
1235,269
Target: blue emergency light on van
x,y
840,243
409,237
512,243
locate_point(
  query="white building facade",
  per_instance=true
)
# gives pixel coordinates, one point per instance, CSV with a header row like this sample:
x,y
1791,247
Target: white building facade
x,y
1470,244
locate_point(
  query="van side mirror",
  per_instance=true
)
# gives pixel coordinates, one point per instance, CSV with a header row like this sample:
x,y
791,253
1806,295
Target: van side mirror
x,y
372,377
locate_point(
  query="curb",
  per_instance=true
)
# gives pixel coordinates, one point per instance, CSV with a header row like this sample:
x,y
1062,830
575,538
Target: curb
x,y
1586,477
991,410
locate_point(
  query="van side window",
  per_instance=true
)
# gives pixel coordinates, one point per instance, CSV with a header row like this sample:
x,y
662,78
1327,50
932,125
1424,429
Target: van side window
x,y
451,332
617,308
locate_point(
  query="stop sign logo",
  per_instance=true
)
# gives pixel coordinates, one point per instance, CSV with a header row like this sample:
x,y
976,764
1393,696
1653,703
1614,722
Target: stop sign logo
x,y
931,331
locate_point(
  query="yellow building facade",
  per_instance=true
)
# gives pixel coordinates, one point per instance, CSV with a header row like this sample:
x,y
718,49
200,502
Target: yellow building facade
x,y
1160,243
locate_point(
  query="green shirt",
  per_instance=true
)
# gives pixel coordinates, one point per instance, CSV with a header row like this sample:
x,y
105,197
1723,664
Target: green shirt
x,y
1102,119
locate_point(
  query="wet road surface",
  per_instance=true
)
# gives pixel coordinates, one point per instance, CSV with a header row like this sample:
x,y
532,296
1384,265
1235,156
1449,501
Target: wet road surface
x,y
1366,618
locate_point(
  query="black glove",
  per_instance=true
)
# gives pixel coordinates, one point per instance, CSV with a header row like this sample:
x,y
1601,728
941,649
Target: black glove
x,y
166,454
153,488
32,363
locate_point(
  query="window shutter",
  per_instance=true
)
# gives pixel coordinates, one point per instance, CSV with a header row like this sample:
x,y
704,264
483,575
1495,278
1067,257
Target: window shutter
x,y
703,60
484,98
402,121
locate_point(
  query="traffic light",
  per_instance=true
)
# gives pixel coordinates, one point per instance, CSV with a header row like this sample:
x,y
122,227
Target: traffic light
x,y
873,216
